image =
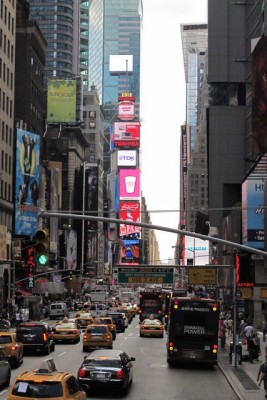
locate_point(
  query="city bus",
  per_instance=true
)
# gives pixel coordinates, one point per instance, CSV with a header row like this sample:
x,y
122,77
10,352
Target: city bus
x,y
193,330
150,303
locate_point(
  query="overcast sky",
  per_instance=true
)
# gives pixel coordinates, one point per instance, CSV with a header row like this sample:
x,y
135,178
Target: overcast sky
x,y
163,109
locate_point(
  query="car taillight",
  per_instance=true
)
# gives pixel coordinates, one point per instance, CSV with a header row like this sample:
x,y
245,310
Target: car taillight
x,y
108,337
159,311
161,327
112,327
84,337
81,373
120,374
44,336
74,332
14,348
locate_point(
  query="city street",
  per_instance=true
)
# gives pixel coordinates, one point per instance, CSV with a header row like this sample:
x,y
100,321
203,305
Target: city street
x,y
153,378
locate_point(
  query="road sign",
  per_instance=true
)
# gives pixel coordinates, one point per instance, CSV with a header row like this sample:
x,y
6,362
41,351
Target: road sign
x,y
202,276
145,275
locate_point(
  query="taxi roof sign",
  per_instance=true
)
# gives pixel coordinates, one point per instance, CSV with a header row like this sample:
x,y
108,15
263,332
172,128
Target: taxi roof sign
x,y
47,367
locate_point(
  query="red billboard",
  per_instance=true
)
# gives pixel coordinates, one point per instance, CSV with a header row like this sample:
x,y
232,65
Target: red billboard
x,y
126,135
126,110
129,211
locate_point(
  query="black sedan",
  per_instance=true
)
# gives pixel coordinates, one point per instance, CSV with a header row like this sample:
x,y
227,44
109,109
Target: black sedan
x,y
107,368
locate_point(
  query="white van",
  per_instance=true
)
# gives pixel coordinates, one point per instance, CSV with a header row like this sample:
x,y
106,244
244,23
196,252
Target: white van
x,y
98,310
58,310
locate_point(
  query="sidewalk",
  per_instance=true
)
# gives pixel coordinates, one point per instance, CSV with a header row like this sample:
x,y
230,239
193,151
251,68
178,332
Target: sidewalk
x,y
242,378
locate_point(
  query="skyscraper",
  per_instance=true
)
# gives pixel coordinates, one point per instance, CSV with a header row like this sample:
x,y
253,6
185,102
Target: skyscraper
x,y
114,30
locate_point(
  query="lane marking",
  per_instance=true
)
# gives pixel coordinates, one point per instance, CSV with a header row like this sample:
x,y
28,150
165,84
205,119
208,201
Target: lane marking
x,y
61,354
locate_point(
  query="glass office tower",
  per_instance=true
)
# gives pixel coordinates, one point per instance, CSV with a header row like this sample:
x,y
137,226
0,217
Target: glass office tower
x,y
114,30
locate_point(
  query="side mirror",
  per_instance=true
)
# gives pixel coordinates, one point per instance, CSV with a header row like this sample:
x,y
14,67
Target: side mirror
x,y
132,358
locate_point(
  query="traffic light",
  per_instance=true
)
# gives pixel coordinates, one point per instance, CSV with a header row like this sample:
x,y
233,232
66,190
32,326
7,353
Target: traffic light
x,y
42,247
70,277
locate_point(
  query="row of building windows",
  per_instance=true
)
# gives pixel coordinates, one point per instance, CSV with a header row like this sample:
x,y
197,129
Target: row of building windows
x,y
6,17
50,8
5,162
6,46
6,75
6,104
5,192
6,133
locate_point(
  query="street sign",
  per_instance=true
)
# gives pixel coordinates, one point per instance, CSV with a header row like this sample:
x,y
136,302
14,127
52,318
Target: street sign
x,y
145,275
202,276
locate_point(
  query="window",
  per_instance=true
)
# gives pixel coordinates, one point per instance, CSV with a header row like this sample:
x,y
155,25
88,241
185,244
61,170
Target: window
x,y
92,114
91,125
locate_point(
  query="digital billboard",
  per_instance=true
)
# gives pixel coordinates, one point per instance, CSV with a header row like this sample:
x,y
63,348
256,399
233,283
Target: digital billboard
x,y
26,183
121,64
130,252
126,158
61,101
253,212
129,211
126,110
129,184
126,134
197,251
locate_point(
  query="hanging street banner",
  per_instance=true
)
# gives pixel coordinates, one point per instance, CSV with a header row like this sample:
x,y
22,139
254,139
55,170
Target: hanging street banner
x,y
202,276
146,275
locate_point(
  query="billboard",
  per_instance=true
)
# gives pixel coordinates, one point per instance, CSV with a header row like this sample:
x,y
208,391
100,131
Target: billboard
x,y
197,251
126,110
121,64
259,102
126,158
129,184
129,211
130,252
253,212
26,183
61,101
126,134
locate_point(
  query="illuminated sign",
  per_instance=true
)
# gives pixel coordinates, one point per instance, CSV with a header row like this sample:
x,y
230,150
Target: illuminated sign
x,y
126,158
129,211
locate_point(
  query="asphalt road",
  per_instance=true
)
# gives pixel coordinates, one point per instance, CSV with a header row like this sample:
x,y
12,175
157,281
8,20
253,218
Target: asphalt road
x,y
153,378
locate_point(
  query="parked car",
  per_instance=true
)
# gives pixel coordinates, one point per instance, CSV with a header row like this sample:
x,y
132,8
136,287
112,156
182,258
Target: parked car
x,y
36,336
107,368
12,349
5,370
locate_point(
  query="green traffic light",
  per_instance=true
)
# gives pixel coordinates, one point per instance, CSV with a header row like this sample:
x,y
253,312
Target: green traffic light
x,y
42,259
70,278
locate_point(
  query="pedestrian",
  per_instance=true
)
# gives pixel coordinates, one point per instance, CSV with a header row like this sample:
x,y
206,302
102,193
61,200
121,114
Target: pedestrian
x,y
17,318
249,330
229,326
256,340
222,332
242,327
261,375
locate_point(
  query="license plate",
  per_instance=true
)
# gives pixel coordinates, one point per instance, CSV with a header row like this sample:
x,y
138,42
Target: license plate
x,y
64,333
192,356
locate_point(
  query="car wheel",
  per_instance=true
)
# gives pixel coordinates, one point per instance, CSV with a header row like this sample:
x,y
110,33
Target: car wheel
x,y
46,350
16,362
141,335
52,347
114,337
85,348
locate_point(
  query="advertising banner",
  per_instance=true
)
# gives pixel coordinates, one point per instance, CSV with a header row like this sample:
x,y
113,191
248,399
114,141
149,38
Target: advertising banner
x,y
126,135
61,101
129,184
126,110
126,158
253,212
129,211
130,252
27,183
196,250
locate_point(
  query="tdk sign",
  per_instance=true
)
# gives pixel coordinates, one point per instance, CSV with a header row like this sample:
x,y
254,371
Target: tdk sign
x,y
126,158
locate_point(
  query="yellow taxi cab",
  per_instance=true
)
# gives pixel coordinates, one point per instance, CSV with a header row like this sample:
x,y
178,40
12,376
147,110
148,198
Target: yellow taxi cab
x,y
47,383
83,319
12,349
97,335
66,331
110,324
151,327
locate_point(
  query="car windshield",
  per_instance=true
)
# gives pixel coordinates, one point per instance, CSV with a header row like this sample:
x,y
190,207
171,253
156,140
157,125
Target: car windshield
x,y
152,322
105,320
30,329
103,363
66,326
97,329
5,339
37,389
